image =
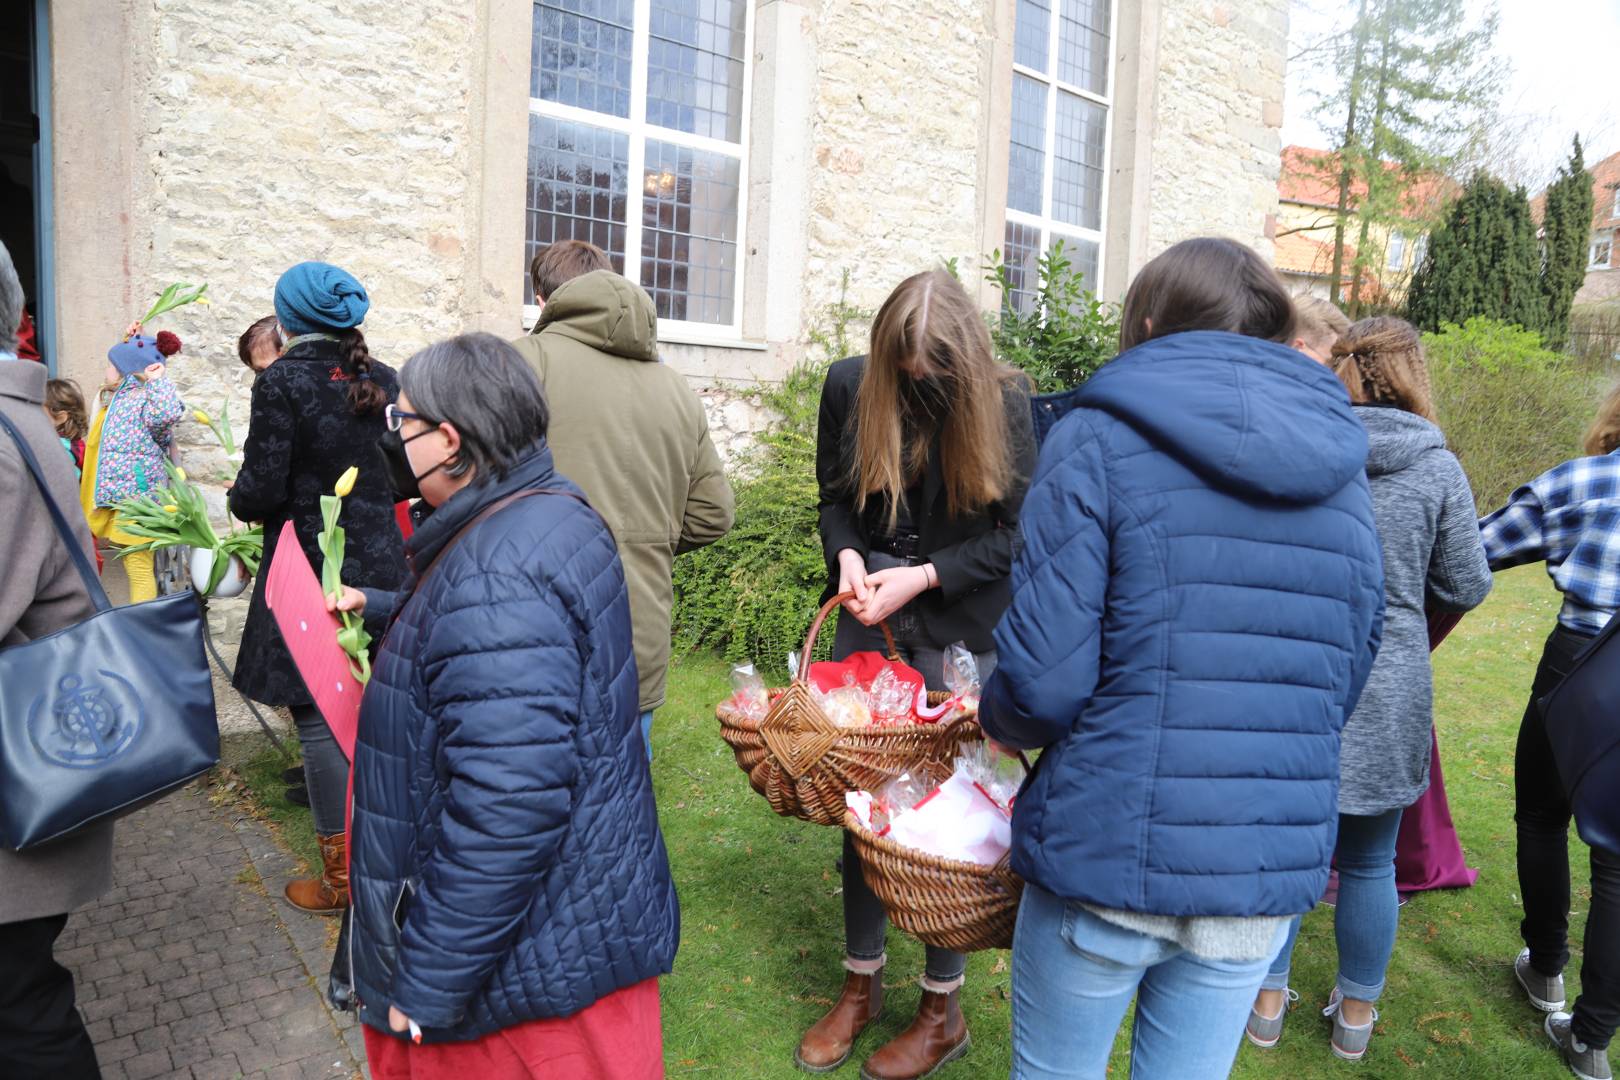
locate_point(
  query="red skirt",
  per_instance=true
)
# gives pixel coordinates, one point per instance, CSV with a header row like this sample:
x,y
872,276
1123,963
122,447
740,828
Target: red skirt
x,y
617,1038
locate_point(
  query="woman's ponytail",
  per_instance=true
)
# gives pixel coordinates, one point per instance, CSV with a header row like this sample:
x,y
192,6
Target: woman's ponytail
x,y
365,396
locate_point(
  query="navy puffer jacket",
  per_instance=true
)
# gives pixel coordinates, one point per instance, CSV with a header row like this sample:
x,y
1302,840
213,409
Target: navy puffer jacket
x,y
1194,614
506,862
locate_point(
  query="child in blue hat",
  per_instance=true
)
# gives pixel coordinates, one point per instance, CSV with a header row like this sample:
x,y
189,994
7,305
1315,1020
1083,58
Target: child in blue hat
x,y
129,444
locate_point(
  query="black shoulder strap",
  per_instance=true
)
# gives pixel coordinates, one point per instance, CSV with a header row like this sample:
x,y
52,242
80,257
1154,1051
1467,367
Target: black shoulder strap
x,y
92,582
487,512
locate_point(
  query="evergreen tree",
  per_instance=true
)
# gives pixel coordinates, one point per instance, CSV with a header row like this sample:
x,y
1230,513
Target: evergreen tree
x,y
1482,260
1566,221
1411,76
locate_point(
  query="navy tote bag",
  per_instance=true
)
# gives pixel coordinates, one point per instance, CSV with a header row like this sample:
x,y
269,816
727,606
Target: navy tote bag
x,y
101,718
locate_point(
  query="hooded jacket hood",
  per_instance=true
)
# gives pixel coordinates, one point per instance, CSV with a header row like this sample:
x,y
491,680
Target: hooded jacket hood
x,y
605,311
1396,438
1251,417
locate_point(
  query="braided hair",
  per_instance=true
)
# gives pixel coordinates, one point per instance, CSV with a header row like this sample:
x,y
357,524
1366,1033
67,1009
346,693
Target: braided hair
x,y
365,396
1380,361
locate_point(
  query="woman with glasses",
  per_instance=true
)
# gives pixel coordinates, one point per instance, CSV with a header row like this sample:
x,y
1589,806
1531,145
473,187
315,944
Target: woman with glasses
x,y
316,411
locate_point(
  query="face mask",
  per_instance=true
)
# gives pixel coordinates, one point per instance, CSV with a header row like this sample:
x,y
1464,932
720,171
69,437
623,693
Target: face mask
x,y
928,397
401,477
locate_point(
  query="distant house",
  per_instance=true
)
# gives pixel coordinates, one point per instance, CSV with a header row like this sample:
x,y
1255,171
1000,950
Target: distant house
x,y
1306,265
1308,198
1602,261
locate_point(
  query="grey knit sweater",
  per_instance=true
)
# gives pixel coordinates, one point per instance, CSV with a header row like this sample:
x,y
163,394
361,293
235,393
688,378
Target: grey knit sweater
x,y
1432,556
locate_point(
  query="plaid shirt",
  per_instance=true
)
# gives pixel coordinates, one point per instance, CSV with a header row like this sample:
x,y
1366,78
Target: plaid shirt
x,y
1568,517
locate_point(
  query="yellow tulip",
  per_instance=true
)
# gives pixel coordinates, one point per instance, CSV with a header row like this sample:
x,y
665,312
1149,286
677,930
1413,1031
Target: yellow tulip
x,y
345,483
181,473
171,509
201,417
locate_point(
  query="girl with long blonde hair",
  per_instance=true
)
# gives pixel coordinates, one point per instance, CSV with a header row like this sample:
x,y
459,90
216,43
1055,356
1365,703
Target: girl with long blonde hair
x,y
923,453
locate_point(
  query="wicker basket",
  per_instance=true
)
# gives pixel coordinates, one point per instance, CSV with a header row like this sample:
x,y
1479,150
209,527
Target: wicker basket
x,y
942,902
803,763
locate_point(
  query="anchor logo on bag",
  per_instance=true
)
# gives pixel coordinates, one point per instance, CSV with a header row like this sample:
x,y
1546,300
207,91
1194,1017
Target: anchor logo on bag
x,y
86,724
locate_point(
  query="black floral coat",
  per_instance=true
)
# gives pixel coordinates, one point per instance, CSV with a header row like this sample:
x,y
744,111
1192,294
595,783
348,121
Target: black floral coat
x,y
301,438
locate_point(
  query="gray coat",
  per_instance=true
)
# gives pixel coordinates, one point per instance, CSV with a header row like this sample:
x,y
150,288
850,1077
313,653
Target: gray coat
x,y
41,593
1432,557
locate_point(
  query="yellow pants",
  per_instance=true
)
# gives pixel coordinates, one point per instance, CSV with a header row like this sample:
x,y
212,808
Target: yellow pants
x,y
142,583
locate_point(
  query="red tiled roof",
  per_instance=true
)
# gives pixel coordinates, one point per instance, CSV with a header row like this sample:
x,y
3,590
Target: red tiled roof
x,y
1307,178
1299,254
1605,181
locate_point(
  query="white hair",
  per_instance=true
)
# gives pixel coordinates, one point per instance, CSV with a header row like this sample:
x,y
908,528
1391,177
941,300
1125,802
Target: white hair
x,y
11,302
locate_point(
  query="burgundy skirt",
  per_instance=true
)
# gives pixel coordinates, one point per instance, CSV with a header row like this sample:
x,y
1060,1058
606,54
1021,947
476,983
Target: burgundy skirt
x,y
617,1038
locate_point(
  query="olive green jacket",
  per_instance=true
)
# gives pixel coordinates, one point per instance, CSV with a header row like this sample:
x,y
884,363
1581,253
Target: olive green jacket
x,y
632,434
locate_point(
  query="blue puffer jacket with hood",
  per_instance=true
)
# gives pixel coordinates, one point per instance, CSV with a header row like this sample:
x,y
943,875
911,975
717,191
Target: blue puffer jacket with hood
x,y
506,862
1195,611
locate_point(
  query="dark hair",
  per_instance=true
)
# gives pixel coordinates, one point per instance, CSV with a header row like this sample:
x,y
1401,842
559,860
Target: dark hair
x,y
557,264
1206,284
482,387
265,327
64,396
365,396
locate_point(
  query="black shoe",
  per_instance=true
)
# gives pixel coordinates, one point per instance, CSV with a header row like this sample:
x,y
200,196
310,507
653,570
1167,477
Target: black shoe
x,y
298,796
293,776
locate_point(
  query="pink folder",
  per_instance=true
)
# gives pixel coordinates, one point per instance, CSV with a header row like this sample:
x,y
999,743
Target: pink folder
x,y
293,595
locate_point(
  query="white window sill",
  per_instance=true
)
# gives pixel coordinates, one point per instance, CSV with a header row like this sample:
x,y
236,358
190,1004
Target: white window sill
x,y
683,336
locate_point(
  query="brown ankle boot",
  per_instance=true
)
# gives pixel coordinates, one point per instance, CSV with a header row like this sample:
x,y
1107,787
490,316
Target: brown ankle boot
x,y
938,1035
329,893
826,1046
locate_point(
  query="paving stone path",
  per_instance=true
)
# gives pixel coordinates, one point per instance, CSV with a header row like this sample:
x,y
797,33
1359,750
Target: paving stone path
x,y
190,967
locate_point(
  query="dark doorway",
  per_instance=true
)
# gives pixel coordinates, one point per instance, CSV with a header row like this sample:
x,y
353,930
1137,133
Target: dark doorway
x,y
22,156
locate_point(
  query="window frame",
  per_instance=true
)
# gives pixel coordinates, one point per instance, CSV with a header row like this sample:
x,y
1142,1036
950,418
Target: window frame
x,y
1395,252
1045,222
1601,236
638,131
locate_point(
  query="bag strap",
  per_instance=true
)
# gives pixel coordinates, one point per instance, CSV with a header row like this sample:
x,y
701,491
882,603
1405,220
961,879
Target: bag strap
x,y
92,583
487,512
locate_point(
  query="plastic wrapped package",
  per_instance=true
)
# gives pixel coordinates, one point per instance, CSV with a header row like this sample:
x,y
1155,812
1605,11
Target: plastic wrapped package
x,y
748,694
846,705
962,680
890,699
997,774
898,796
958,820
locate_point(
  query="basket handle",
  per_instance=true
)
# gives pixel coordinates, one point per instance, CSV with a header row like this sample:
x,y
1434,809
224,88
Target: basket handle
x,y
815,628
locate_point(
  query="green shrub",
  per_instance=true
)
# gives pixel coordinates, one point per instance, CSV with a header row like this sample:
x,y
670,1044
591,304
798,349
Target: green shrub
x,y
1510,408
1066,335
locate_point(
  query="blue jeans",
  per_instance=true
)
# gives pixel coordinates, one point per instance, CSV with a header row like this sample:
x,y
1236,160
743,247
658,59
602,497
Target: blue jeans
x,y
646,731
1074,975
1369,907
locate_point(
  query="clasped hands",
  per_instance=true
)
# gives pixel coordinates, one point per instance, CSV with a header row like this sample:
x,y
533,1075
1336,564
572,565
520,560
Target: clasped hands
x,y
879,595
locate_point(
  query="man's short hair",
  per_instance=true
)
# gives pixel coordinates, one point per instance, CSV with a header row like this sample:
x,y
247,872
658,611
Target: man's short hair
x,y
557,264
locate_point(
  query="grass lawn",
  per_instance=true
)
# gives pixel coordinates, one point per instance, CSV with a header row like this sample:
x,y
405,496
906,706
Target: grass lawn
x,y
762,926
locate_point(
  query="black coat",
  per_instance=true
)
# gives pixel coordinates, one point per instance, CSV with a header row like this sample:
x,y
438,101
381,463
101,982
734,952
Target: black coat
x,y
972,555
301,437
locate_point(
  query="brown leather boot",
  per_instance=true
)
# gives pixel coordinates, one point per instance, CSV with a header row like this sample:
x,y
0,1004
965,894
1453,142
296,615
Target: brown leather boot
x,y
329,893
827,1045
938,1035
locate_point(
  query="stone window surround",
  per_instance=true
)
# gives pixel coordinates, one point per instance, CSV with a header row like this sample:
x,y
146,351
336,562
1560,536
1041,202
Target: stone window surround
x,y
639,132
103,248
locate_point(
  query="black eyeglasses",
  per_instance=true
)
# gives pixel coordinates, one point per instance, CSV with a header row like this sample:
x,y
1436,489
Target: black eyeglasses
x,y
394,417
